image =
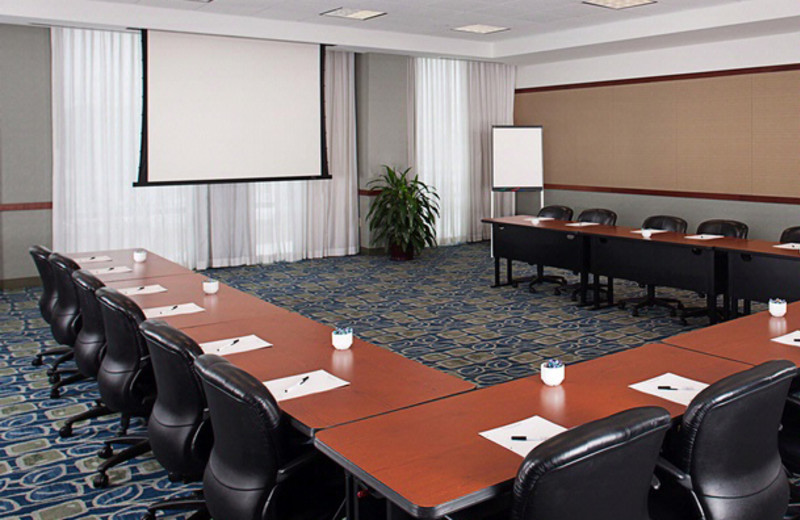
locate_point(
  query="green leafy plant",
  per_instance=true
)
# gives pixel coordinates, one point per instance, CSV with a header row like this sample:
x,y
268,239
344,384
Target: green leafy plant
x,y
403,214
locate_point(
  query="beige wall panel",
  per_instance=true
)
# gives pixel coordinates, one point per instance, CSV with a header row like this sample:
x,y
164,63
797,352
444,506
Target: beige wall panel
x,y
776,164
720,164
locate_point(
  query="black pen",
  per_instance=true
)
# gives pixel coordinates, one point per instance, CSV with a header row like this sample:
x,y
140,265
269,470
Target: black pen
x,y
797,340
232,343
519,438
666,387
296,384
174,307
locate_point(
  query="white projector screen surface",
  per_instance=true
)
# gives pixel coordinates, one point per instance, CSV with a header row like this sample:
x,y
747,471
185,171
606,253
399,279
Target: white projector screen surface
x,y
223,109
517,162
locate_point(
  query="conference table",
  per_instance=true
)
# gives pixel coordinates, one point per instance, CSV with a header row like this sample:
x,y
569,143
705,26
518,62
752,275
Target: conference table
x,y
665,259
227,305
380,381
430,460
747,339
124,268
758,270
739,269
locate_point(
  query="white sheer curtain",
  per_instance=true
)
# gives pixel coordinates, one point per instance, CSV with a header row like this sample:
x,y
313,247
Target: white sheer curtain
x,y
491,102
97,106
455,104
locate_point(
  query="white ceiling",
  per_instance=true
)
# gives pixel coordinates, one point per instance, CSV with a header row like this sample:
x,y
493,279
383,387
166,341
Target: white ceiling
x,y
439,17
541,30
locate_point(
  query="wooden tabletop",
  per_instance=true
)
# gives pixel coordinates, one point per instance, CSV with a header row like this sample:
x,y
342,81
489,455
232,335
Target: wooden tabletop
x,y
765,247
380,380
227,305
746,339
430,460
625,232
154,266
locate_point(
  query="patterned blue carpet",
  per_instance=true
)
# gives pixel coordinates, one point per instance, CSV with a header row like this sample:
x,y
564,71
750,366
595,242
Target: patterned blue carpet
x,y
438,309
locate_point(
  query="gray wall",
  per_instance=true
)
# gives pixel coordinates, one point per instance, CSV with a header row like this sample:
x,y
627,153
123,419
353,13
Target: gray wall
x,y
382,121
25,145
766,221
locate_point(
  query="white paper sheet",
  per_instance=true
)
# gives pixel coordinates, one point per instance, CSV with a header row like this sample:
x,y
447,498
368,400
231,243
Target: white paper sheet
x,y
142,289
653,231
583,224
535,429
92,259
682,390
704,237
789,339
172,310
111,270
533,220
792,246
290,387
236,345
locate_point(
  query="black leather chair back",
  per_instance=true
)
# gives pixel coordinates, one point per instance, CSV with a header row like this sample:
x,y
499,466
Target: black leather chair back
x,y
726,228
665,222
247,423
791,234
47,300
601,470
66,320
556,212
90,345
178,429
126,376
599,216
728,443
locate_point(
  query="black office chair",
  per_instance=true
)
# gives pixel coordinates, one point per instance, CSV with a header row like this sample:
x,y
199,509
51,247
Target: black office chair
x,y
557,213
255,466
728,229
179,428
66,321
90,345
125,378
47,300
604,217
791,234
666,223
601,470
722,461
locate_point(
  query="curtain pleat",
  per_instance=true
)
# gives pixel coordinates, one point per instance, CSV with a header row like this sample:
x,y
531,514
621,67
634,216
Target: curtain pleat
x,y
455,105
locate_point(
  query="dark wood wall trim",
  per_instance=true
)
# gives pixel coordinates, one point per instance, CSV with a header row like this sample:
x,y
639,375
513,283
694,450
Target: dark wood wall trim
x,y
654,79
26,206
681,194
369,193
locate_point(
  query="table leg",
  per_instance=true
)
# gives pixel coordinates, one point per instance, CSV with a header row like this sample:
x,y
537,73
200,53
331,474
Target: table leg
x,y
351,498
496,271
747,307
583,288
596,289
509,276
711,305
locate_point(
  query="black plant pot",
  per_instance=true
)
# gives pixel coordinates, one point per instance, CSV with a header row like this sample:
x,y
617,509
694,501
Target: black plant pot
x,y
399,254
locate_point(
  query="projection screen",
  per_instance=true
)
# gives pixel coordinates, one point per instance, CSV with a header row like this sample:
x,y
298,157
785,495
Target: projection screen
x,y
226,109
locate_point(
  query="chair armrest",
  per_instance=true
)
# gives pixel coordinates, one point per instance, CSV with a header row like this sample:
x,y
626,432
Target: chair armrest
x,y
296,464
674,472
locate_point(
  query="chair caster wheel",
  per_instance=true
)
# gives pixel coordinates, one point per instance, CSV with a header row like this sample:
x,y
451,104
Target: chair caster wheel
x,y
621,306
673,313
635,313
65,431
148,516
557,292
100,481
54,379
55,393
37,362
51,371
174,477
106,452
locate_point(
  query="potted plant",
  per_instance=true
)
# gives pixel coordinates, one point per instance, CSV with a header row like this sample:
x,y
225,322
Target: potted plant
x,y
403,213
